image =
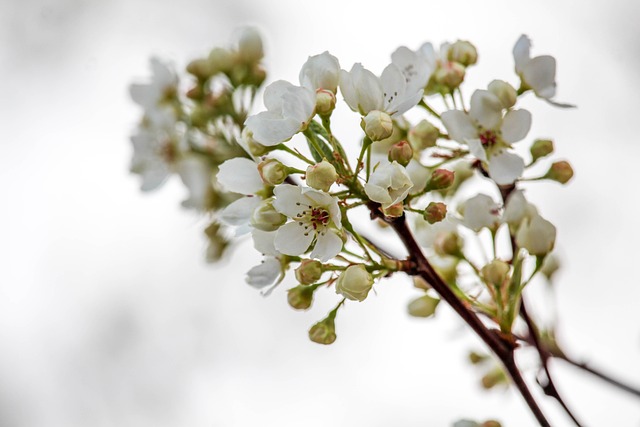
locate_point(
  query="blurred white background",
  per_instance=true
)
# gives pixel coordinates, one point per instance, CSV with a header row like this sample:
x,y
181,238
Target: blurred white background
x,y
109,315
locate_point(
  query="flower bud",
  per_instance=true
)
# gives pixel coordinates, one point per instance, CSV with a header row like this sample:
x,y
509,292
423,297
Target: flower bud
x,y
463,52
221,60
266,218
423,135
200,68
254,146
435,212
394,211
309,271
217,242
425,306
450,75
537,236
300,297
420,283
446,267
401,152
496,272
447,243
272,171
321,176
493,378
354,283
324,332
549,266
505,92
541,148
250,46
560,171
325,102
477,358
491,423
377,125
440,179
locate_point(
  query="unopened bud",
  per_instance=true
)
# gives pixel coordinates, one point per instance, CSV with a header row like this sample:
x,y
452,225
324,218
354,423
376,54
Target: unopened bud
x,y
494,378
254,146
463,52
496,272
401,152
477,358
560,171
377,125
394,211
491,423
309,271
325,102
541,148
440,179
354,283
266,218
450,75
221,60
300,297
435,212
549,266
424,306
423,135
250,48
505,92
321,176
537,236
324,332
272,171
200,68
447,243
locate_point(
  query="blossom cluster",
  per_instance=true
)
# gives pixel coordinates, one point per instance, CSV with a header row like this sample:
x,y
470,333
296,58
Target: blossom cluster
x,y
282,177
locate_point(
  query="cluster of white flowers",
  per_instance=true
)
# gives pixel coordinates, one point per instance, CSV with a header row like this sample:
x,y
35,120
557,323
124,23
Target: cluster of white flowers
x,y
295,201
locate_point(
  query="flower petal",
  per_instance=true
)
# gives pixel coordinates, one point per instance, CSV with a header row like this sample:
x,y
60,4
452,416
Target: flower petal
x,y
240,175
540,75
361,89
521,52
321,72
271,129
263,241
516,125
289,200
505,167
292,239
476,148
327,246
239,212
459,125
486,109
264,274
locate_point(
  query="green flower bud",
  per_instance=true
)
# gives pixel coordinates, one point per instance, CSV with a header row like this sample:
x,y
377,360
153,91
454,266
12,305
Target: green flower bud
x,y
435,212
221,60
420,283
505,92
440,179
561,172
309,271
300,297
401,152
325,102
321,176
494,377
477,358
495,273
463,52
423,135
266,218
377,125
424,306
217,242
491,423
354,283
541,148
250,48
324,332
447,244
272,171
200,68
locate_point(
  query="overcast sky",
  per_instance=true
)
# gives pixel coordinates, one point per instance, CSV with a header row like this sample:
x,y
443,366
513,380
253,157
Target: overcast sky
x,y
109,315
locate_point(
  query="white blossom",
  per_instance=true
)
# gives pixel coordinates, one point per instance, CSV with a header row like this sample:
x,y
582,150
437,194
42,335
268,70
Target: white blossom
x,y
388,184
270,271
321,72
481,211
316,219
416,66
153,96
241,176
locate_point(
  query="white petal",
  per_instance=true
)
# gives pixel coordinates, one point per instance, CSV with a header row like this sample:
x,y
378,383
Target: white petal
x,y
264,274
419,176
476,148
195,173
274,93
263,241
289,200
481,211
515,208
540,75
505,167
414,67
361,89
327,246
321,72
521,53
459,125
486,109
299,104
516,125
292,239
271,129
240,175
239,212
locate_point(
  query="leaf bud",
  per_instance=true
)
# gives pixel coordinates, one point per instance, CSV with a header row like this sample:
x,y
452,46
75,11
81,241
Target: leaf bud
x,y
560,171
300,297
266,218
354,283
324,332
463,52
272,171
321,176
423,135
541,148
505,92
440,179
424,306
401,152
325,102
309,271
377,125
435,212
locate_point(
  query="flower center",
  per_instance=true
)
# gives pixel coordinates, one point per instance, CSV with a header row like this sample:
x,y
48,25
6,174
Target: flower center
x,y
488,138
313,218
